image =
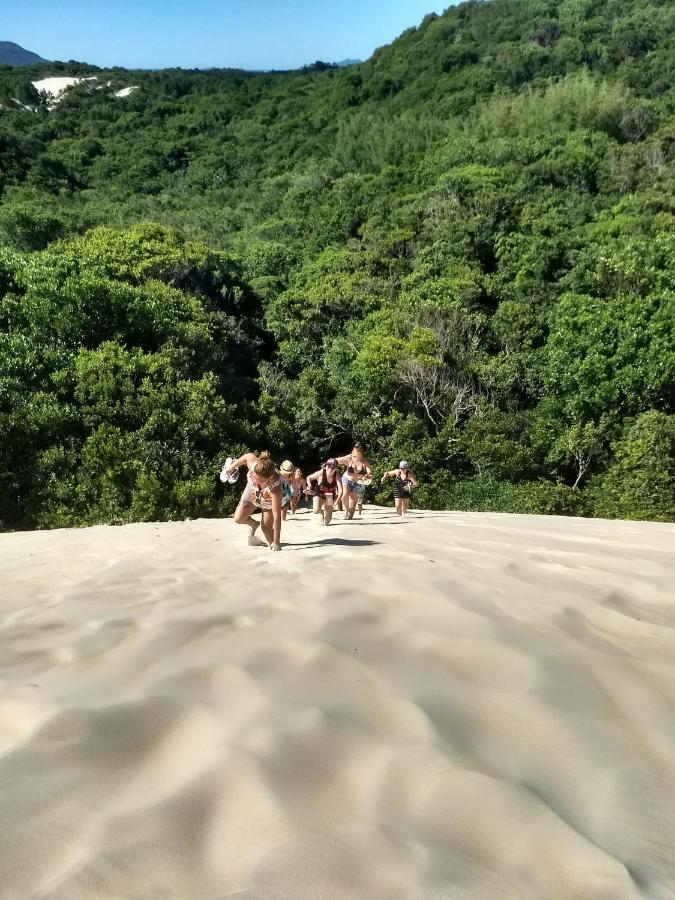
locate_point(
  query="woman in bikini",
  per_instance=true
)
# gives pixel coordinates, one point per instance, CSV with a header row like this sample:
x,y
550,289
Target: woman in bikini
x,y
263,492
354,478
326,487
299,484
404,482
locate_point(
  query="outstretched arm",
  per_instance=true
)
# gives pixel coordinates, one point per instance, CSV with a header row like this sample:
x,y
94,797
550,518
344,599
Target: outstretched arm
x,y
313,477
246,460
388,475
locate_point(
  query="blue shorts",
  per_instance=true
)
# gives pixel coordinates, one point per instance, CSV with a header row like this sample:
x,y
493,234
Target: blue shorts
x,y
354,486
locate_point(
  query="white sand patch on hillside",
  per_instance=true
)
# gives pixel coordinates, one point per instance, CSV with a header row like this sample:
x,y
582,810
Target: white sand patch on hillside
x,y
464,706
55,86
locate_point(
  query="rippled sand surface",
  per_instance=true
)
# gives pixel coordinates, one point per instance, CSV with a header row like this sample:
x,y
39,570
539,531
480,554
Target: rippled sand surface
x,y
450,706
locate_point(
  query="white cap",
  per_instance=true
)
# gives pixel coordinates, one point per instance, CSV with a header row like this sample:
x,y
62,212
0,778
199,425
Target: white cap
x,y
403,464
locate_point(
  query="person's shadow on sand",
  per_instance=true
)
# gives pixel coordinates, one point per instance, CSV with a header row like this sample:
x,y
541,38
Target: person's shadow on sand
x,y
340,542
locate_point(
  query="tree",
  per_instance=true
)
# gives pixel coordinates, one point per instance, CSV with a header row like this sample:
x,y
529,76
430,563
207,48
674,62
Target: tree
x,y
640,483
579,445
459,250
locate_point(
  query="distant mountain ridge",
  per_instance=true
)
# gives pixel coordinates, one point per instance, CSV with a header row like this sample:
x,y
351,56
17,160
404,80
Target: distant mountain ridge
x,y
12,54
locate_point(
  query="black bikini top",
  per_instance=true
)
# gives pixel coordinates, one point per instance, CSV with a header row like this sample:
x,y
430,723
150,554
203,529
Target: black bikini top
x,y
358,469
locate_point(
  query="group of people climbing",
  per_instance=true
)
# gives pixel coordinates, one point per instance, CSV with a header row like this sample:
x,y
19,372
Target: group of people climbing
x,y
273,491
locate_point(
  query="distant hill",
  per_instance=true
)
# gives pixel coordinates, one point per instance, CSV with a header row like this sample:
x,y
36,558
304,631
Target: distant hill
x,y
320,66
13,55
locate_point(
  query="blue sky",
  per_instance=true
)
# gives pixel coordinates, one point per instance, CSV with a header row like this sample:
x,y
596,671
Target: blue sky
x,y
253,34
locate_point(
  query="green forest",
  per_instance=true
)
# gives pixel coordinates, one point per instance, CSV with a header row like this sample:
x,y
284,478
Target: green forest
x,y
460,252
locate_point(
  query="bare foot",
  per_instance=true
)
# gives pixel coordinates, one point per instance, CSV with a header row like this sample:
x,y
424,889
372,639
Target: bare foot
x,y
253,539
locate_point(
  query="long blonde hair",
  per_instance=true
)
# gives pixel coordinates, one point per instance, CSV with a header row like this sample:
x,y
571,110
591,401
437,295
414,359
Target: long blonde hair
x,y
265,467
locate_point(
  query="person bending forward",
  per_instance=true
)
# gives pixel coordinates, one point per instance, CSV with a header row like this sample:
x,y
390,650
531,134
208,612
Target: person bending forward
x,y
357,472
262,492
299,484
326,488
286,474
404,482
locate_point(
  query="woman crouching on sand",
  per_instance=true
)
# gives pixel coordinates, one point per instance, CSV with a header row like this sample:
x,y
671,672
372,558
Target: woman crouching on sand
x,y
404,482
354,478
326,487
263,492
299,485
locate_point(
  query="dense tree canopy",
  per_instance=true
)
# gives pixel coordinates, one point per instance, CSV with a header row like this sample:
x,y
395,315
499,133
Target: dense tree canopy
x,y
461,252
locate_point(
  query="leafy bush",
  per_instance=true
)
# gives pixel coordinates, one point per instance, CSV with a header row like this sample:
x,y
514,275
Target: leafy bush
x,y
489,494
640,483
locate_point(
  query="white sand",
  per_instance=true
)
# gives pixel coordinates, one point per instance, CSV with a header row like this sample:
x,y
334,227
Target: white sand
x,y
453,706
55,86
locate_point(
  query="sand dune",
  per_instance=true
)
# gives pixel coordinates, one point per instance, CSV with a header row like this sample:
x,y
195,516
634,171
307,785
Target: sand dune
x,y
450,706
57,84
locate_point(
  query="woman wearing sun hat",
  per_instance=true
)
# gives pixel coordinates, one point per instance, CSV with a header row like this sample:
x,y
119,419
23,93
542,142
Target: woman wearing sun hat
x,y
326,487
404,482
286,473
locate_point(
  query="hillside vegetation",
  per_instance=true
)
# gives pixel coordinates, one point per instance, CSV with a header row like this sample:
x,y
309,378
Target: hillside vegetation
x,y
461,251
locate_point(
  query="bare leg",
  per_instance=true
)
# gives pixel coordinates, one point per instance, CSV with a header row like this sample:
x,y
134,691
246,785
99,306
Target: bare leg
x,y
328,510
242,516
317,505
405,501
350,500
267,522
398,503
